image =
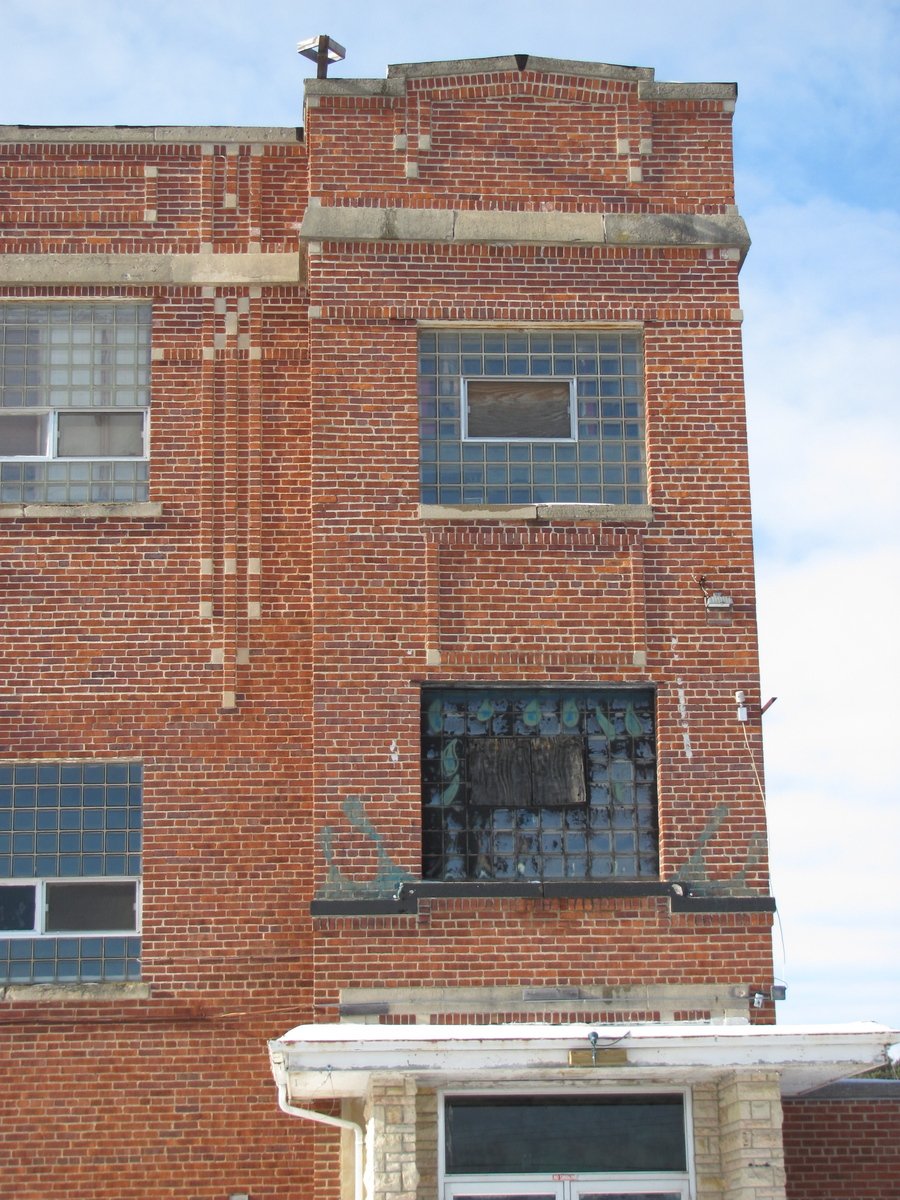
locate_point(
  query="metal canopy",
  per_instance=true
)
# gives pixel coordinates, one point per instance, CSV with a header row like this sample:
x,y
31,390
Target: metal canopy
x,y
339,1060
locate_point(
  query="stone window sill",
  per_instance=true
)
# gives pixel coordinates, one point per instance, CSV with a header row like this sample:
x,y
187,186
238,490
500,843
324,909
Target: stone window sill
x,y
138,511
89,993
596,513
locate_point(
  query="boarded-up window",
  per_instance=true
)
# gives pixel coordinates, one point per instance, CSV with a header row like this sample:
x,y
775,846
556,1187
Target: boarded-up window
x,y
542,771
509,409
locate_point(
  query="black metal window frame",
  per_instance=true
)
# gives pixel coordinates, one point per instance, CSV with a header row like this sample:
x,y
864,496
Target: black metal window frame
x,y
605,829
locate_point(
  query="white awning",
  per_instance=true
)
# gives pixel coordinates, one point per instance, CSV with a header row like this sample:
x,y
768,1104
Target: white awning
x,y
333,1061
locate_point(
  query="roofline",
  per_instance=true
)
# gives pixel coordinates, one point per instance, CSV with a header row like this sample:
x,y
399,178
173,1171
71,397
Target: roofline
x,y
398,75
519,62
159,134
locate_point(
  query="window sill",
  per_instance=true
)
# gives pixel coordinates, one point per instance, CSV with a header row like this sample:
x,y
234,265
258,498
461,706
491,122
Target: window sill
x,y
406,900
137,511
38,993
596,513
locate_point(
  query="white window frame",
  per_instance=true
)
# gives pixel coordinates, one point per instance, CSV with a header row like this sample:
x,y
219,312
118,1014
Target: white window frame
x,y
464,381
39,931
51,435
565,1185
561,1187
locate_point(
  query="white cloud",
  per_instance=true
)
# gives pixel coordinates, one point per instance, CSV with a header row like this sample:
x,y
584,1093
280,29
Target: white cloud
x,y
823,359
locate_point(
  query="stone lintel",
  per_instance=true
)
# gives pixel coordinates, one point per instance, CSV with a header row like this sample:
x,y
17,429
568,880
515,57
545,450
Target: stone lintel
x,y
186,269
368,1004
343,224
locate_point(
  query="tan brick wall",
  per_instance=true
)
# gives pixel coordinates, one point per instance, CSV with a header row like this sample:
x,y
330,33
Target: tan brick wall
x,y
427,1143
392,1171
750,1137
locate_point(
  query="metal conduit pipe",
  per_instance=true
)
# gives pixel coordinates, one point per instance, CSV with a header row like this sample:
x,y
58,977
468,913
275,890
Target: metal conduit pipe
x,y
310,1114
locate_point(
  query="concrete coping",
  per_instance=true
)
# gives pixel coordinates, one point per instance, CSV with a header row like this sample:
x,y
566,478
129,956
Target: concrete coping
x,y
649,90
510,62
399,73
594,513
169,134
137,511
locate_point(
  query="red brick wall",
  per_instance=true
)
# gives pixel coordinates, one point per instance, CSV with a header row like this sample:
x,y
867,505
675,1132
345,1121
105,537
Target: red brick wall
x,y
522,140
104,653
582,943
520,603
99,196
306,459
843,1149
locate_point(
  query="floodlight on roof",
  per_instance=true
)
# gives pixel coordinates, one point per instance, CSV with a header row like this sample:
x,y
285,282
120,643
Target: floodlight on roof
x,y
322,50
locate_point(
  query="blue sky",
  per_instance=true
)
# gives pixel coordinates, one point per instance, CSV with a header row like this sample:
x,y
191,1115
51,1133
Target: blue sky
x,y
818,163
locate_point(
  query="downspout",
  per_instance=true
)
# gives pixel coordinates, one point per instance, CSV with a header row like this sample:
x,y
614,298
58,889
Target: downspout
x,y
310,1114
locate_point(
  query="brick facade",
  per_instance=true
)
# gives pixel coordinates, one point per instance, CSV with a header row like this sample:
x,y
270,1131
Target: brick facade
x,y
258,633
844,1141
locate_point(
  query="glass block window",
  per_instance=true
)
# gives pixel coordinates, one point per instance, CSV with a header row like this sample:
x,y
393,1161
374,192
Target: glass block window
x,y
539,783
70,847
531,417
74,399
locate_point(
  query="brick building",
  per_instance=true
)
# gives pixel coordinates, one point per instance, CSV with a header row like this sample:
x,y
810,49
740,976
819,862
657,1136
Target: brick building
x,y
379,589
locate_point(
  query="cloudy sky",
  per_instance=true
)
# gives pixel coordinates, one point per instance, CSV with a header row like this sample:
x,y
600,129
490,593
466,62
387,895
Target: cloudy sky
x,y
818,156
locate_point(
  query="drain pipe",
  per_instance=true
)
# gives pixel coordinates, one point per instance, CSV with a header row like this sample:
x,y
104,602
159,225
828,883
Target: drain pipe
x,y
310,1114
